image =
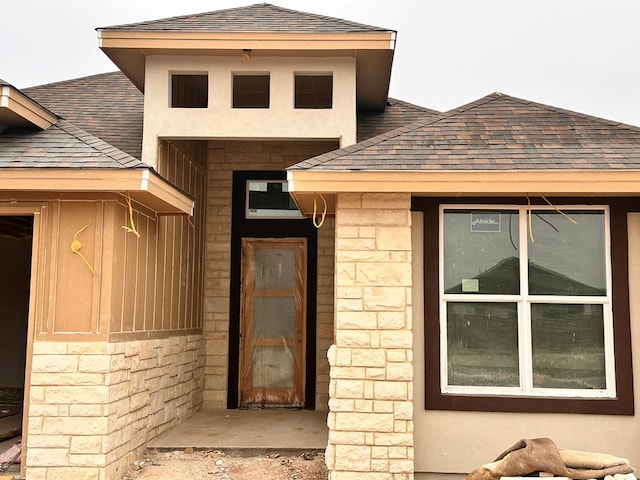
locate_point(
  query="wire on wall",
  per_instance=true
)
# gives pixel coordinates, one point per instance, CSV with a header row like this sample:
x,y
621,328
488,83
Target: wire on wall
x,y
76,246
132,228
318,223
530,215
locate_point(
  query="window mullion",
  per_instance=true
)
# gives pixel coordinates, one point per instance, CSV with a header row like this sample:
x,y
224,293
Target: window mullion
x,y
524,308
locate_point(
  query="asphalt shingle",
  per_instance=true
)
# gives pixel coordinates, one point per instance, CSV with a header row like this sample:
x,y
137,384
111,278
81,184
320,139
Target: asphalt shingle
x,y
497,132
261,17
63,145
107,105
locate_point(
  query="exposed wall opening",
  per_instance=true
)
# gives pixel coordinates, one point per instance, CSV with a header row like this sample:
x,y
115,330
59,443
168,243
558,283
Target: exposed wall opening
x,y
189,90
273,299
251,90
313,91
16,238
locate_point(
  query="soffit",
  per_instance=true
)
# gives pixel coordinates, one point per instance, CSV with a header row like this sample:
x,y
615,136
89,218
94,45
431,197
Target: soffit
x,y
143,185
311,189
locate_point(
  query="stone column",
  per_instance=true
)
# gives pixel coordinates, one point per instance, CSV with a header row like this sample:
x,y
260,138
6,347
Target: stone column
x,y
370,392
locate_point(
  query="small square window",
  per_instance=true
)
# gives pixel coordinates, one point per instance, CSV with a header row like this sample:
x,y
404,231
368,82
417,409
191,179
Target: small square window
x,y
189,91
251,91
313,91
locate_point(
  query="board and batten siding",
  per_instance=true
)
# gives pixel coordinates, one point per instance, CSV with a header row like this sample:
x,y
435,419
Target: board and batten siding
x,y
142,286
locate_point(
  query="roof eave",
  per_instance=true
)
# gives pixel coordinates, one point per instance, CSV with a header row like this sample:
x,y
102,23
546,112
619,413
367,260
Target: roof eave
x,y
312,188
373,52
18,110
144,186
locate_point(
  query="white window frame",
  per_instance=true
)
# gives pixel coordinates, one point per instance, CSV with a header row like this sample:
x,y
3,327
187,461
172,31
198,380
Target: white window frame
x,y
523,301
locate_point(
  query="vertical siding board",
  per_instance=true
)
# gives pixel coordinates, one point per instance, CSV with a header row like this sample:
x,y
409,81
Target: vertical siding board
x,y
74,281
141,273
174,279
129,280
47,264
96,324
158,323
54,229
151,273
118,270
186,249
107,265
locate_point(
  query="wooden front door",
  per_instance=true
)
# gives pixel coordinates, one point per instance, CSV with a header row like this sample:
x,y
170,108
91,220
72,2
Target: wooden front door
x,y
272,322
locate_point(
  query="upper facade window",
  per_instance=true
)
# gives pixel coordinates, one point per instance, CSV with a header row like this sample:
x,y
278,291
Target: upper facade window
x,y
189,90
313,91
526,302
251,90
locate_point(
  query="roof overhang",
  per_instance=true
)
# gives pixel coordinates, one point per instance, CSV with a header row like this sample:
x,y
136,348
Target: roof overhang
x,y
18,110
311,188
143,185
373,52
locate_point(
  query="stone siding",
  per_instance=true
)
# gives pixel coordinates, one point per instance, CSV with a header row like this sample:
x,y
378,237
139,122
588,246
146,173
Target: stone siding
x,y
93,406
371,390
225,157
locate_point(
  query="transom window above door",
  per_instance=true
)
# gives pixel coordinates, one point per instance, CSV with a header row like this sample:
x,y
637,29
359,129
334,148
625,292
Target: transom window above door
x,y
525,302
270,199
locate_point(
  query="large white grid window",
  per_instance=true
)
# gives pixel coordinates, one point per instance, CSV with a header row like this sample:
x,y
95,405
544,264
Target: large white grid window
x,y
526,301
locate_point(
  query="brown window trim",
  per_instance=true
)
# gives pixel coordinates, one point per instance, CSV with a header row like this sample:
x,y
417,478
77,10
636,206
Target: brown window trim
x,y
623,404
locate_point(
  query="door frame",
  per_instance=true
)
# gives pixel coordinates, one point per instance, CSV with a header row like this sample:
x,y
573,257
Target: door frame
x,y
242,227
34,210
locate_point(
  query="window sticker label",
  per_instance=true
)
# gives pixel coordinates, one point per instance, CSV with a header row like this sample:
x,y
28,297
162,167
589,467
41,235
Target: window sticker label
x,y
485,221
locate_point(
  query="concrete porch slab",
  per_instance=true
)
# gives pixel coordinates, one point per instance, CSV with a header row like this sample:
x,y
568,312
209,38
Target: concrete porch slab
x,y
248,432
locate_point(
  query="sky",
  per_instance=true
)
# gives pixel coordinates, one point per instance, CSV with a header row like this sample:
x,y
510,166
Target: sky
x,y
582,55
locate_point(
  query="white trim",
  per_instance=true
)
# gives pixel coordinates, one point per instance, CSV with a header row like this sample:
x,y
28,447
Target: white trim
x,y
524,300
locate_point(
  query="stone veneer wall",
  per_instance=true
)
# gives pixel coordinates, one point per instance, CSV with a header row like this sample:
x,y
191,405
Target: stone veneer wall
x,y
224,158
371,391
93,405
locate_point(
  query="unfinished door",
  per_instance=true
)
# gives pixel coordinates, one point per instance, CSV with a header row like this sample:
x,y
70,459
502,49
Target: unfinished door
x,y
272,323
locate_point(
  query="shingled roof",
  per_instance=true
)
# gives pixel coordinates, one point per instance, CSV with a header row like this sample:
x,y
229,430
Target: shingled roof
x,y
496,132
396,114
62,145
261,17
107,105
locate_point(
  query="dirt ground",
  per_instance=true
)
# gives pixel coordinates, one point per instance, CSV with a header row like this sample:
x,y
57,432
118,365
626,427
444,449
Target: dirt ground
x,y
216,465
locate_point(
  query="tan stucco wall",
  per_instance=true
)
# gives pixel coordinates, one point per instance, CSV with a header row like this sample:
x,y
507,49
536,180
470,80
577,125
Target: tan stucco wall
x,y
219,120
224,158
458,442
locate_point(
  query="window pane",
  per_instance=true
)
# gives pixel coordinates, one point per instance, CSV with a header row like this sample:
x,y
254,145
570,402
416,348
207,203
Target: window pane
x,y
567,258
568,346
251,91
275,268
270,198
482,344
272,367
189,91
481,252
274,317
313,91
